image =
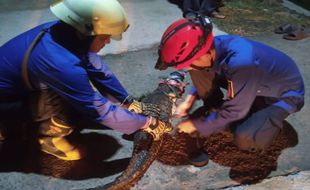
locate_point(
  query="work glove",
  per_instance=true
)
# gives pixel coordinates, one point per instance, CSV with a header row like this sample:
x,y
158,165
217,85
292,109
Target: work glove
x,y
156,127
144,108
187,127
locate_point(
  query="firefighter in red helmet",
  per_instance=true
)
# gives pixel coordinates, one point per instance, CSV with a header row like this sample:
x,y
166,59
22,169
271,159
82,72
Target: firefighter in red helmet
x,y
264,85
183,42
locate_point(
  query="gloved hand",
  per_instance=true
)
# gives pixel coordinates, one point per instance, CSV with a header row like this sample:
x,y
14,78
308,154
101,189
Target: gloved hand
x,y
187,127
144,108
156,127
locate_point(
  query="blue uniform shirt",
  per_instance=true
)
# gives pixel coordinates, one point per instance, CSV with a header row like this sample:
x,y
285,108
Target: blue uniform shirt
x,y
252,69
60,62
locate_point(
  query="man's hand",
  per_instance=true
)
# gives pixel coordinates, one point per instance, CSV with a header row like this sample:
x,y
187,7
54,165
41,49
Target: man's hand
x,y
187,126
144,108
183,109
156,127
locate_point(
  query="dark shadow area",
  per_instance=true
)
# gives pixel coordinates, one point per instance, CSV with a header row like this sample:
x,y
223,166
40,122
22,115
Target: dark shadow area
x,y
20,155
100,147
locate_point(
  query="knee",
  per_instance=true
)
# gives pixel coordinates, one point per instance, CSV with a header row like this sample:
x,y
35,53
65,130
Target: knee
x,y
54,127
258,140
244,141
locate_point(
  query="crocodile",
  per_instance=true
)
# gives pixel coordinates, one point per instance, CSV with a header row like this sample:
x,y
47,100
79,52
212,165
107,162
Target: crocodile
x,y
146,150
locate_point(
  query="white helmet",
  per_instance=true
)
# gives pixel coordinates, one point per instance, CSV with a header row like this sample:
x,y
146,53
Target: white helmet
x,y
93,17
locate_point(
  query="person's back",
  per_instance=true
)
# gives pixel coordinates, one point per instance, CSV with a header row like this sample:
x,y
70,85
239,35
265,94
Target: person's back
x,y
276,72
264,86
11,58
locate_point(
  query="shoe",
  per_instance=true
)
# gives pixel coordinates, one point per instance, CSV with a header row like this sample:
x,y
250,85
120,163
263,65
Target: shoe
x,y
199,159
285,28
298,34
61,148
216,14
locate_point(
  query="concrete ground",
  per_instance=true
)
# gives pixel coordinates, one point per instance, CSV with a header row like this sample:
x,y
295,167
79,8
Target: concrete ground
x,y
133,59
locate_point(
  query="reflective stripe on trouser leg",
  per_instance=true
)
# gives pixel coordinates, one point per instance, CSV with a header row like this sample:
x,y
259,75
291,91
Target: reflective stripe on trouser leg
x,y
53,141
55,120
52,113
54,128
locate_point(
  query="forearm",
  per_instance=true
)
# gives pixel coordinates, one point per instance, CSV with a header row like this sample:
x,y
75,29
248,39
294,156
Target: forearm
x,y
190,99
121,119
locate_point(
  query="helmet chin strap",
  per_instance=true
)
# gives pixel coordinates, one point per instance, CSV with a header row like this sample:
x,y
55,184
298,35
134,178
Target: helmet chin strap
x,y
197,67
202,67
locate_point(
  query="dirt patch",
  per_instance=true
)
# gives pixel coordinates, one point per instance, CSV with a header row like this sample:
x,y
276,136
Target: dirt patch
x,y
253,17
249,167
245,167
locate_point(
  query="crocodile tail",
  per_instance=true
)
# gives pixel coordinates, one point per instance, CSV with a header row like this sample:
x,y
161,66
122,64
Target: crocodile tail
x,y
144,153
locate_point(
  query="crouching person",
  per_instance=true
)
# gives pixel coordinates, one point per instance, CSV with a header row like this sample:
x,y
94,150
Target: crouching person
x,y
250,71
56,65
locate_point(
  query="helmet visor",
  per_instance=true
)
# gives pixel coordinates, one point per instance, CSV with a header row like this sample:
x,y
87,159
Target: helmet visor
x,y
160,65
117,37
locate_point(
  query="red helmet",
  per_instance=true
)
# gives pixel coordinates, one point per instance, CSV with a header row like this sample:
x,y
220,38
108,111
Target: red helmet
x,y
184,41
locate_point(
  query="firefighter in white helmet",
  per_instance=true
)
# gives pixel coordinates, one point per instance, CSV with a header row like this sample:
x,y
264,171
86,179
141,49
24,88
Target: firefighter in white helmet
x,y
59,60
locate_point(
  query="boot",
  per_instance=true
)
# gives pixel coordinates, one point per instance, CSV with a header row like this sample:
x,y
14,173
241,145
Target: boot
x,y
53,141
61,148
199,158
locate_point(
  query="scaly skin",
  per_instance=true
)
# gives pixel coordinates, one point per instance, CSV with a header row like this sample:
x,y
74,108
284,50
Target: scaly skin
x,y
145,149
143,157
